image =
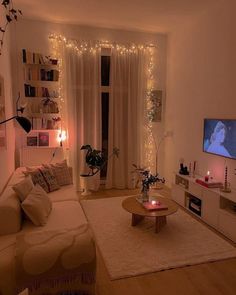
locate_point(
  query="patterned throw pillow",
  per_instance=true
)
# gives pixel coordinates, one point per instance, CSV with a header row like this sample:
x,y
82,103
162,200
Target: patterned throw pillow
x,y
44,177
61,172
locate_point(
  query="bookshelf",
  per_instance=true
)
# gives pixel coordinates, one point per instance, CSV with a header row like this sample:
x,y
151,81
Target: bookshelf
x,y
41,94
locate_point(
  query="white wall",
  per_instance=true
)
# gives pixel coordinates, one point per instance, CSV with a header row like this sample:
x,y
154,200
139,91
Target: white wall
x,y
7,161
33,35
200,84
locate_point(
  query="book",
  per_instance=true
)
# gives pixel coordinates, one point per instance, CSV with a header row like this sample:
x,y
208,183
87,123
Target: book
x,y
152,205
209,183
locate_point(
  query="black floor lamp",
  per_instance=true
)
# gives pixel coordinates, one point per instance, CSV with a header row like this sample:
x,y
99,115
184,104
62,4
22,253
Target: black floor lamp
x,y
24,122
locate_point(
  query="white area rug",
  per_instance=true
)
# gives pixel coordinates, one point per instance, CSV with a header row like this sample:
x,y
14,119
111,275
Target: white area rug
x,y
129,251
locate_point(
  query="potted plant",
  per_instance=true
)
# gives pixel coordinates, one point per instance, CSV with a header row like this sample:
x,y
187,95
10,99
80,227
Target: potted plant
x,y
95,161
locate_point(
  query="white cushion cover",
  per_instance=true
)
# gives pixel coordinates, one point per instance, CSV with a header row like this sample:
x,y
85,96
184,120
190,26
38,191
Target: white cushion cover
x,y
37,206
23,188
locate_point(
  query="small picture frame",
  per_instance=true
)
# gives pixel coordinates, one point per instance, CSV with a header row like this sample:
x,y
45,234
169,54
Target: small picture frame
x,y
155,112
43,139
32,140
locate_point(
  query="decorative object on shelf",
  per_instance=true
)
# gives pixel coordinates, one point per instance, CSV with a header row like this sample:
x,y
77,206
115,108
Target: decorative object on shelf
x,y
48,105
226,187
183,169
96,160
147,180
12,14
24,122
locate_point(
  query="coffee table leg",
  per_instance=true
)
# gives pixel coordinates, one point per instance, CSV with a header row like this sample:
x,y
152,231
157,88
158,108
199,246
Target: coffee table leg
x,y
136,219
160,222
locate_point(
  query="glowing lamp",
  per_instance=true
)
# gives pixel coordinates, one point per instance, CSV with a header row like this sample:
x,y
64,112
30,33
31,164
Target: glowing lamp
x,y
61,136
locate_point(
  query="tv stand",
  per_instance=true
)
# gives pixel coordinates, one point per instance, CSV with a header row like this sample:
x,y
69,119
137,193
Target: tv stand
x,y
216,208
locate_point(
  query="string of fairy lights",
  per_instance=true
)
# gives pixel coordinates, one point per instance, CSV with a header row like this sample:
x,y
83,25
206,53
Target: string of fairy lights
x,y
80,46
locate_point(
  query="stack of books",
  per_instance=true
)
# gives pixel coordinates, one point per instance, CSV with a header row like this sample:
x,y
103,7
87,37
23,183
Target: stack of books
x,y
210,183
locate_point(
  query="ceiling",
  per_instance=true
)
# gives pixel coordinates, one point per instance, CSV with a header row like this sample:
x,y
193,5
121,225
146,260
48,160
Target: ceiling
x,y
142,15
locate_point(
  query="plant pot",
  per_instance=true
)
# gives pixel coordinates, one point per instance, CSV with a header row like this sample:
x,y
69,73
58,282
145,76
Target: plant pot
x,y
89,183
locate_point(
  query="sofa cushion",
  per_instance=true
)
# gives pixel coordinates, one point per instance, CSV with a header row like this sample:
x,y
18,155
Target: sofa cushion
x,y
10,212
44,177
61,172
23,188
65,193
37,206
64,215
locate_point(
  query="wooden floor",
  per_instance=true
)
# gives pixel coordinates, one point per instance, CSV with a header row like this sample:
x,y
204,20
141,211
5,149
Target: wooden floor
x,y
209,279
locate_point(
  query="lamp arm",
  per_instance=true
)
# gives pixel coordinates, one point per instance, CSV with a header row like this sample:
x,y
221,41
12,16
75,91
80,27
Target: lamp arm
x,y
8,120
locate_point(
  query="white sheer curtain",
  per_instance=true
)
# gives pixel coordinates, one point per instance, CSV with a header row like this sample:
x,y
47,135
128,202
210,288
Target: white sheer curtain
x,y
126,113
83,98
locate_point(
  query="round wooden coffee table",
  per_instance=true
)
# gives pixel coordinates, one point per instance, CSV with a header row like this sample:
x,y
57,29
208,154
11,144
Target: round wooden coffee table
x,y
139,212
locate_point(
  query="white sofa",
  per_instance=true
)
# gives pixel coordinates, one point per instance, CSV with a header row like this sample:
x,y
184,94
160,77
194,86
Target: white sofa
x,y
66,214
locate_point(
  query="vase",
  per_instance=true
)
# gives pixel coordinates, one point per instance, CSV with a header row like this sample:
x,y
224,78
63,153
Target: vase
x,y
145,196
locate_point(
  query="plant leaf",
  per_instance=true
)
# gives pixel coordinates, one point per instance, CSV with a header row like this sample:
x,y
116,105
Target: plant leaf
x,y
8,18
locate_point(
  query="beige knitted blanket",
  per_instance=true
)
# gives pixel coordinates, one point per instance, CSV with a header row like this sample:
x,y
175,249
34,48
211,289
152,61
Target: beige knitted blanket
x,y
56,262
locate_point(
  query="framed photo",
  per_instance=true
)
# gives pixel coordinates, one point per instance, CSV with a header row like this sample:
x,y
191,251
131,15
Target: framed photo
x,y
2,115
43,139
32,140
155,112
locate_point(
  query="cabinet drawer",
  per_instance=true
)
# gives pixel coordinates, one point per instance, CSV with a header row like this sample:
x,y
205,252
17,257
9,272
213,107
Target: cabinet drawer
x,y
195,189
227,224
178,194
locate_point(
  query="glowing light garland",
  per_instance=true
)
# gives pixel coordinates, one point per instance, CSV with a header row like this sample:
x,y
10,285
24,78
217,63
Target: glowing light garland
x,y
62,108
149,142
92,47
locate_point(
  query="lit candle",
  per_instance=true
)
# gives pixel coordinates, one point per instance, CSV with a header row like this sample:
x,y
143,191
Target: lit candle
x,y
207,176
153,202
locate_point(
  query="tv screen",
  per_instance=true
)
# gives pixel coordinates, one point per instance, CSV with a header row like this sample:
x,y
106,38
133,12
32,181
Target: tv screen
x,y
220,137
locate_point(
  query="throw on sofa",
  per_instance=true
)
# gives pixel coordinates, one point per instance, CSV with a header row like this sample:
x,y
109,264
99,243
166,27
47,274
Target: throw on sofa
x,y
56,258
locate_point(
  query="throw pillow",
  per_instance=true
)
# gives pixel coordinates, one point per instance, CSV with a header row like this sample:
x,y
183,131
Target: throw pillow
x,y
44,177
61,172
23,188
37,206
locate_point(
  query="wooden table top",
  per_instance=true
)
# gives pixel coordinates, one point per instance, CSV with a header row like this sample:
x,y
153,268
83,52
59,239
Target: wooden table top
x,y
133,206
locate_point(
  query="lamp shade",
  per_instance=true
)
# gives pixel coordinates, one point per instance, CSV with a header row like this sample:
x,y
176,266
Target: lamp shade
x,y
24,123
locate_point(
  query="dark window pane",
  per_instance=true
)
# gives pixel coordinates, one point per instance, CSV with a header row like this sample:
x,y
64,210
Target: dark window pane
x,y
105,70
105,128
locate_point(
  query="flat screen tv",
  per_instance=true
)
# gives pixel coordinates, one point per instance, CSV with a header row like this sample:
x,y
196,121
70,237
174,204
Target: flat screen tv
x,y
220,137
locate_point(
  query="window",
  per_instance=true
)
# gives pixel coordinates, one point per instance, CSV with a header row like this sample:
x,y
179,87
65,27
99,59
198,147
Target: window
x,y
105,89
